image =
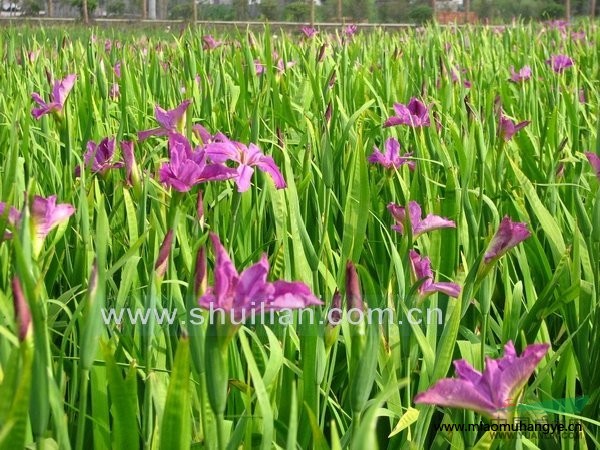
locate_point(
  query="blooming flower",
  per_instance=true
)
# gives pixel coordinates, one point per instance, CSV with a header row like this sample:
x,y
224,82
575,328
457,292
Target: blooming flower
x,y
206,137
522,75
350,30
98,157
47,215
509,235
281,66
186,167
489,393
418,225
507,128
578,35
115,91
60,91
210,43
415,114
421,269
170,121
117,69
560,25
239,294
559,63
247,157
391,157
309,32
594,160
259,67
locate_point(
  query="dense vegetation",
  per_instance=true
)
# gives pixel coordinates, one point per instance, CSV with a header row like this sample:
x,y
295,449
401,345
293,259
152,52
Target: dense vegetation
x,y
497,131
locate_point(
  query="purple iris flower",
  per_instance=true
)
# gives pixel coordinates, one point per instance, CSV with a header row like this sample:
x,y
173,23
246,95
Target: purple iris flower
x,y
421,269
281,66
117,69
47,215
507,128
509,235
415,114
259,67
560,25
309,32
240,295
522,75
170,121
492,392
114,91
418,225
559,63
187,167
210,43
60,91
391,157
350,30
594,160
98,157
206,137
247,157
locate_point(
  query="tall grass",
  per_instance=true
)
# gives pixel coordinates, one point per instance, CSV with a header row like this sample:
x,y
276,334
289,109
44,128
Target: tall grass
x,y
78,383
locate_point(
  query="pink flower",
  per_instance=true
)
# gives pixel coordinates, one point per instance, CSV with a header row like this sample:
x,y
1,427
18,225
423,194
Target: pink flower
x,y
210,43
187,167
47,215
60,92
508,236
309,32
559,63
247,157
240,295
522,75
594,160
492,392
350,30
170,121
391,157
507,128
98,157
421,269
418,225
415,114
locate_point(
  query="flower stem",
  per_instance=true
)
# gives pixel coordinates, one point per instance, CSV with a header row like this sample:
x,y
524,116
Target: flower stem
x,y
237,199
221,431
82,409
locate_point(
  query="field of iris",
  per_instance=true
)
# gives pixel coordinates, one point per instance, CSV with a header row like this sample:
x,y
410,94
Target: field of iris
x,y
440,173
